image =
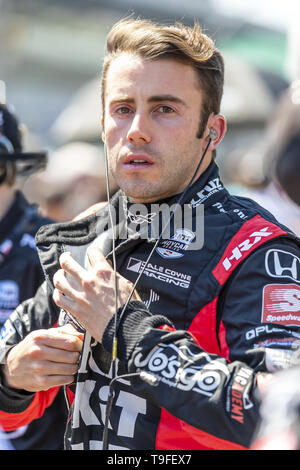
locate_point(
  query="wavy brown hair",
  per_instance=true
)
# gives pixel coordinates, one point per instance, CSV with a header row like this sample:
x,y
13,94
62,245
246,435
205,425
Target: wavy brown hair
x,y
189,45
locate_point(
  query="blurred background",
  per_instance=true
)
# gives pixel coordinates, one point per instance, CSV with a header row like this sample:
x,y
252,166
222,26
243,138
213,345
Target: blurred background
x,y
50,65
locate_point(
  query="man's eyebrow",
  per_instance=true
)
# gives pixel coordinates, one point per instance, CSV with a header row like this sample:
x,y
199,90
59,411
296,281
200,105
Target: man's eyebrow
x,y
151,99
171,98
121,99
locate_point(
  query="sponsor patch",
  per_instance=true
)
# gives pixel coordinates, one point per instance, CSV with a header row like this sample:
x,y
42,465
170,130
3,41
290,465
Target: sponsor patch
x,y
9,298
251,235
6,331
166,275
281,304
282,264
277,359
153,297
238,398
176,246
265,330
278,343
28,240
212,187
245,246
183,368
6,247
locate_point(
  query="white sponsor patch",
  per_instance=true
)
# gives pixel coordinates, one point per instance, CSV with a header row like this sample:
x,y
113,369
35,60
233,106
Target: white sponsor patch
x,y
282,264
153,297
176,367
244,246
9,298
277,359
28,240
212,187
175,246
169,276
281,304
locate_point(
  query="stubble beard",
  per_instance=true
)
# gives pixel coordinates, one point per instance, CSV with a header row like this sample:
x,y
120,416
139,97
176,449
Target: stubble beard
x,y
141,191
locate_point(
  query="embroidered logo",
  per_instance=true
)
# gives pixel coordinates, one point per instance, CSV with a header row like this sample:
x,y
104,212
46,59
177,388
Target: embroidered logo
x,y
281,304
282,264
175,246
9,298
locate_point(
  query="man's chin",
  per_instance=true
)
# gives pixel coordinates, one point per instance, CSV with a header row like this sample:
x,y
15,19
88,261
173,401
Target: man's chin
x,y
139,191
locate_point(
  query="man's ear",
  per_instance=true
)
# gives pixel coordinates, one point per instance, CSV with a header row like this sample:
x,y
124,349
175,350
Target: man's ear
x,y
216,126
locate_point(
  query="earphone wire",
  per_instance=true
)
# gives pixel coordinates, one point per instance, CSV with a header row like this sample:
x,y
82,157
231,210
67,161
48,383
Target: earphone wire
x,y
161,233
113,233
114,354
116,318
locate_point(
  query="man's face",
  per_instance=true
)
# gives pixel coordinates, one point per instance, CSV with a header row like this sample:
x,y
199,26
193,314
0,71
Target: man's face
x,y
152,114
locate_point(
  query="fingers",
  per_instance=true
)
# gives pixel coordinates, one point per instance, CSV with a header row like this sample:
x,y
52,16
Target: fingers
x,y
79,276
45,358
63,301
89,295
56,368
70,292
57,356
96,257
70,266
64,285
57,339
49,381
69,329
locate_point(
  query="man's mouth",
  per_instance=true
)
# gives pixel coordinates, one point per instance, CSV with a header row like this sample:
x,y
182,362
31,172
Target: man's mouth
x,y
135,161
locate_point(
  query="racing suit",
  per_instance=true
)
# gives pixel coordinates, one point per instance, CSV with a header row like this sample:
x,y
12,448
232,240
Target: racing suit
x,y
213,322
20,276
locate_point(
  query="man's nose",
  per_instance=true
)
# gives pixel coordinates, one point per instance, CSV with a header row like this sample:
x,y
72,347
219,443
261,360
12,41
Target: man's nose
x,y
139,131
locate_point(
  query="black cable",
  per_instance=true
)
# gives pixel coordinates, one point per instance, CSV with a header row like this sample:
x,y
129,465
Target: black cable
x,y
114,357
162,232
109,406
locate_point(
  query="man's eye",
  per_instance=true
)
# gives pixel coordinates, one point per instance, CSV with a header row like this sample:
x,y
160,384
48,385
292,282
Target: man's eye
x,y
165,109
123,110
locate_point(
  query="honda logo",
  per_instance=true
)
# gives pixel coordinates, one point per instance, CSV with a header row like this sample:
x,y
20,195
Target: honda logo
x,y
280,263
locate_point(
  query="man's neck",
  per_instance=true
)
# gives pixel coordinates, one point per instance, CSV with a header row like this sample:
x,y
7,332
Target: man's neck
x,y
7,195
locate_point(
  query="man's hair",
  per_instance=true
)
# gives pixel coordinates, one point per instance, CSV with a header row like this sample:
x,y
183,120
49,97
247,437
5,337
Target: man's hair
x,y
189,45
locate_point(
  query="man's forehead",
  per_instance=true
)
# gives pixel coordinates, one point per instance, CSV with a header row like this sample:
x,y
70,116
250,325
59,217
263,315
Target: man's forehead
x,y
126,59
156,77
128,63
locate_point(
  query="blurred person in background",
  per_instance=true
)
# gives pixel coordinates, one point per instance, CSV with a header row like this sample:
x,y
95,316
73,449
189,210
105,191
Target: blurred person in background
x,y
279,427
270,172
73,181
20,271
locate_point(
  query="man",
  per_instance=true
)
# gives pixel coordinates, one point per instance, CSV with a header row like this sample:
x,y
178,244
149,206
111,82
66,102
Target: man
x,y
20,271
181,368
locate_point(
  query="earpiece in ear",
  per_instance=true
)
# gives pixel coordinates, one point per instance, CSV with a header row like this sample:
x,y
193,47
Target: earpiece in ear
x,y
212,134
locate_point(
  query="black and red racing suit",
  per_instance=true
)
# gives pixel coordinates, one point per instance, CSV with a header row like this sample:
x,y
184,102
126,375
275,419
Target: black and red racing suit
x,y
213,324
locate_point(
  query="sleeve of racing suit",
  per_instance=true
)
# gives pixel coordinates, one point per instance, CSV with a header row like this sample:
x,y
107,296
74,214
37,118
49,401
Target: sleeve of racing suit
x,y
218,394
19,407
